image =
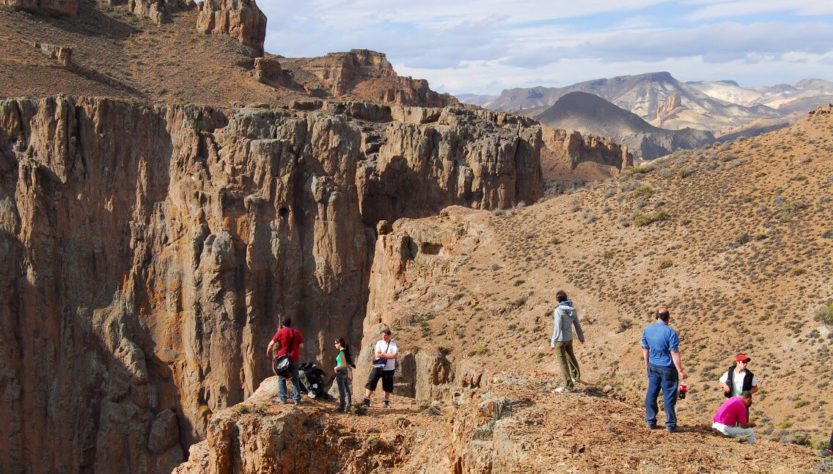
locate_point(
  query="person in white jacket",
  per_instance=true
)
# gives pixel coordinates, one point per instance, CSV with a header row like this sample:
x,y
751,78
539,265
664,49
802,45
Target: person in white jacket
x,y
565,317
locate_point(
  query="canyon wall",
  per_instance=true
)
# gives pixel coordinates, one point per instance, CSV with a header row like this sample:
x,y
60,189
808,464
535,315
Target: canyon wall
x,y
151,251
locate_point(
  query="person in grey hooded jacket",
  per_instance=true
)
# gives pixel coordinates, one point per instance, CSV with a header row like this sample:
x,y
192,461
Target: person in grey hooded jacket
x,y
564,318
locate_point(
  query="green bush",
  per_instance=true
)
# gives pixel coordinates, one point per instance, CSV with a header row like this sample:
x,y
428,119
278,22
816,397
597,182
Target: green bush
x,y
641,220
825,314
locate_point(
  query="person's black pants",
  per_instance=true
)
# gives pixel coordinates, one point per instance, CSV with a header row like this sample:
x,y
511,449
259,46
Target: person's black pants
x,y
387,380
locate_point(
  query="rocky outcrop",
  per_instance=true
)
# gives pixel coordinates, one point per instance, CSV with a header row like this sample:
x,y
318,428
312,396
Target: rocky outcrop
x,y
269,71
151,9
366,75
195,232
479,159
669,107
240,19
49,7
577,148
62,54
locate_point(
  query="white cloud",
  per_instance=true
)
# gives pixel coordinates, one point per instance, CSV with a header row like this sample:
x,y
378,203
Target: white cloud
x,y
735,9
484,46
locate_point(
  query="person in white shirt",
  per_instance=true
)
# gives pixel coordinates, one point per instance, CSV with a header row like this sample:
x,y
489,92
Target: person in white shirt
x,y
739,378
384,365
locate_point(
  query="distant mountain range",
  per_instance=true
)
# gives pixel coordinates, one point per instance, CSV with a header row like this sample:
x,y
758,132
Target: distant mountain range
x,y
658,98
593,115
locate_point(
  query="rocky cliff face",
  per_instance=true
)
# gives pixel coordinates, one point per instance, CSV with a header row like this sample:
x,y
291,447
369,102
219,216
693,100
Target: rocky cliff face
x,y
151,251
240,19
50,7
577,148
363,74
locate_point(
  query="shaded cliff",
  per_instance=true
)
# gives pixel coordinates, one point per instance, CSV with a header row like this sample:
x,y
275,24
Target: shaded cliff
x,y
152,250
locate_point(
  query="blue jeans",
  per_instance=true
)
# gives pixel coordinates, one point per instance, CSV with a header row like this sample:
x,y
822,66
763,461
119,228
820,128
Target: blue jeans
x,y
296,384
665,379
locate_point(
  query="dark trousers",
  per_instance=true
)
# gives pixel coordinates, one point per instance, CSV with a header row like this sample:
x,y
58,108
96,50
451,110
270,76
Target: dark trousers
x,y
664,379
830,446
345,394
569,364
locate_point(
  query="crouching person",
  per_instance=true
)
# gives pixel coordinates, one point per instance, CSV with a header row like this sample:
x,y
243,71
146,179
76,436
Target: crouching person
x,y
731,418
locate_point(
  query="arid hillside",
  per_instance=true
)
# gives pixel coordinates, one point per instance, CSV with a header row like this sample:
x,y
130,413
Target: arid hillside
x,y
736,239
117,53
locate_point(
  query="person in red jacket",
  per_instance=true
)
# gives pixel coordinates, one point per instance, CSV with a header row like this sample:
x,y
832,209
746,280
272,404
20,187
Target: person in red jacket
x,y
288,340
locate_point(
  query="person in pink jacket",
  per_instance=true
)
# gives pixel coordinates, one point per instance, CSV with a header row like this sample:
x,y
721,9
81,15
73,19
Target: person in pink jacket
x,y
732,420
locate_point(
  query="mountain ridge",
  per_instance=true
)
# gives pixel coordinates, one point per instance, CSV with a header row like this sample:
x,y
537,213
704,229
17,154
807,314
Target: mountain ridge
x,y
591,114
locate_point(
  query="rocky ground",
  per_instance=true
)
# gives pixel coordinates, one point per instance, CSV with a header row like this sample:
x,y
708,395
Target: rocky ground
x,y
518,425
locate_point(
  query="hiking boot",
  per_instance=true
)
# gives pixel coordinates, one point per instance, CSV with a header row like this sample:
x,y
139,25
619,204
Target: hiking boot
x,y
366,402
651,426
386,404
296,402
826,453
282,401
671,429
563,389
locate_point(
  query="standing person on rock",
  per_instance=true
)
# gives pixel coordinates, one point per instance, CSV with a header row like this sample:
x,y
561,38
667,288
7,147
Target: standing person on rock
x,y
342,370
661,352
565,318
289,341
384,365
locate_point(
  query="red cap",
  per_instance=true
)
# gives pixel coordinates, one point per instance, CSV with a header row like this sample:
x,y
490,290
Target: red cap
x,y
742,358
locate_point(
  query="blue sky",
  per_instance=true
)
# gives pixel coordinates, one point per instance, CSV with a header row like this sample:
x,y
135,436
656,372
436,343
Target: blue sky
x,y
489,45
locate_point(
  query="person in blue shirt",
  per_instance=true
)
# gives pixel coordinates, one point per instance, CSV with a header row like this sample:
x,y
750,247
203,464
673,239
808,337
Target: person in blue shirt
x,y
661,351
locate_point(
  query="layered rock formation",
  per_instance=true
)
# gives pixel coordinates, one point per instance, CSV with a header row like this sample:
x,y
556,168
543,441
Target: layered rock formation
x,y
194,233
49,7
364,74
240,19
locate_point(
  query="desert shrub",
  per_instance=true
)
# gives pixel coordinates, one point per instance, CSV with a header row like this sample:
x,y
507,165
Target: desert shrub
x,y
644,191
641,220
624,325
641,169
589,217
685,172
825,314
741,240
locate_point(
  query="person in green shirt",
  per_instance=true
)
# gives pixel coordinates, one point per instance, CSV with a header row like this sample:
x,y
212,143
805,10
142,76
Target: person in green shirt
x,y
342,370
